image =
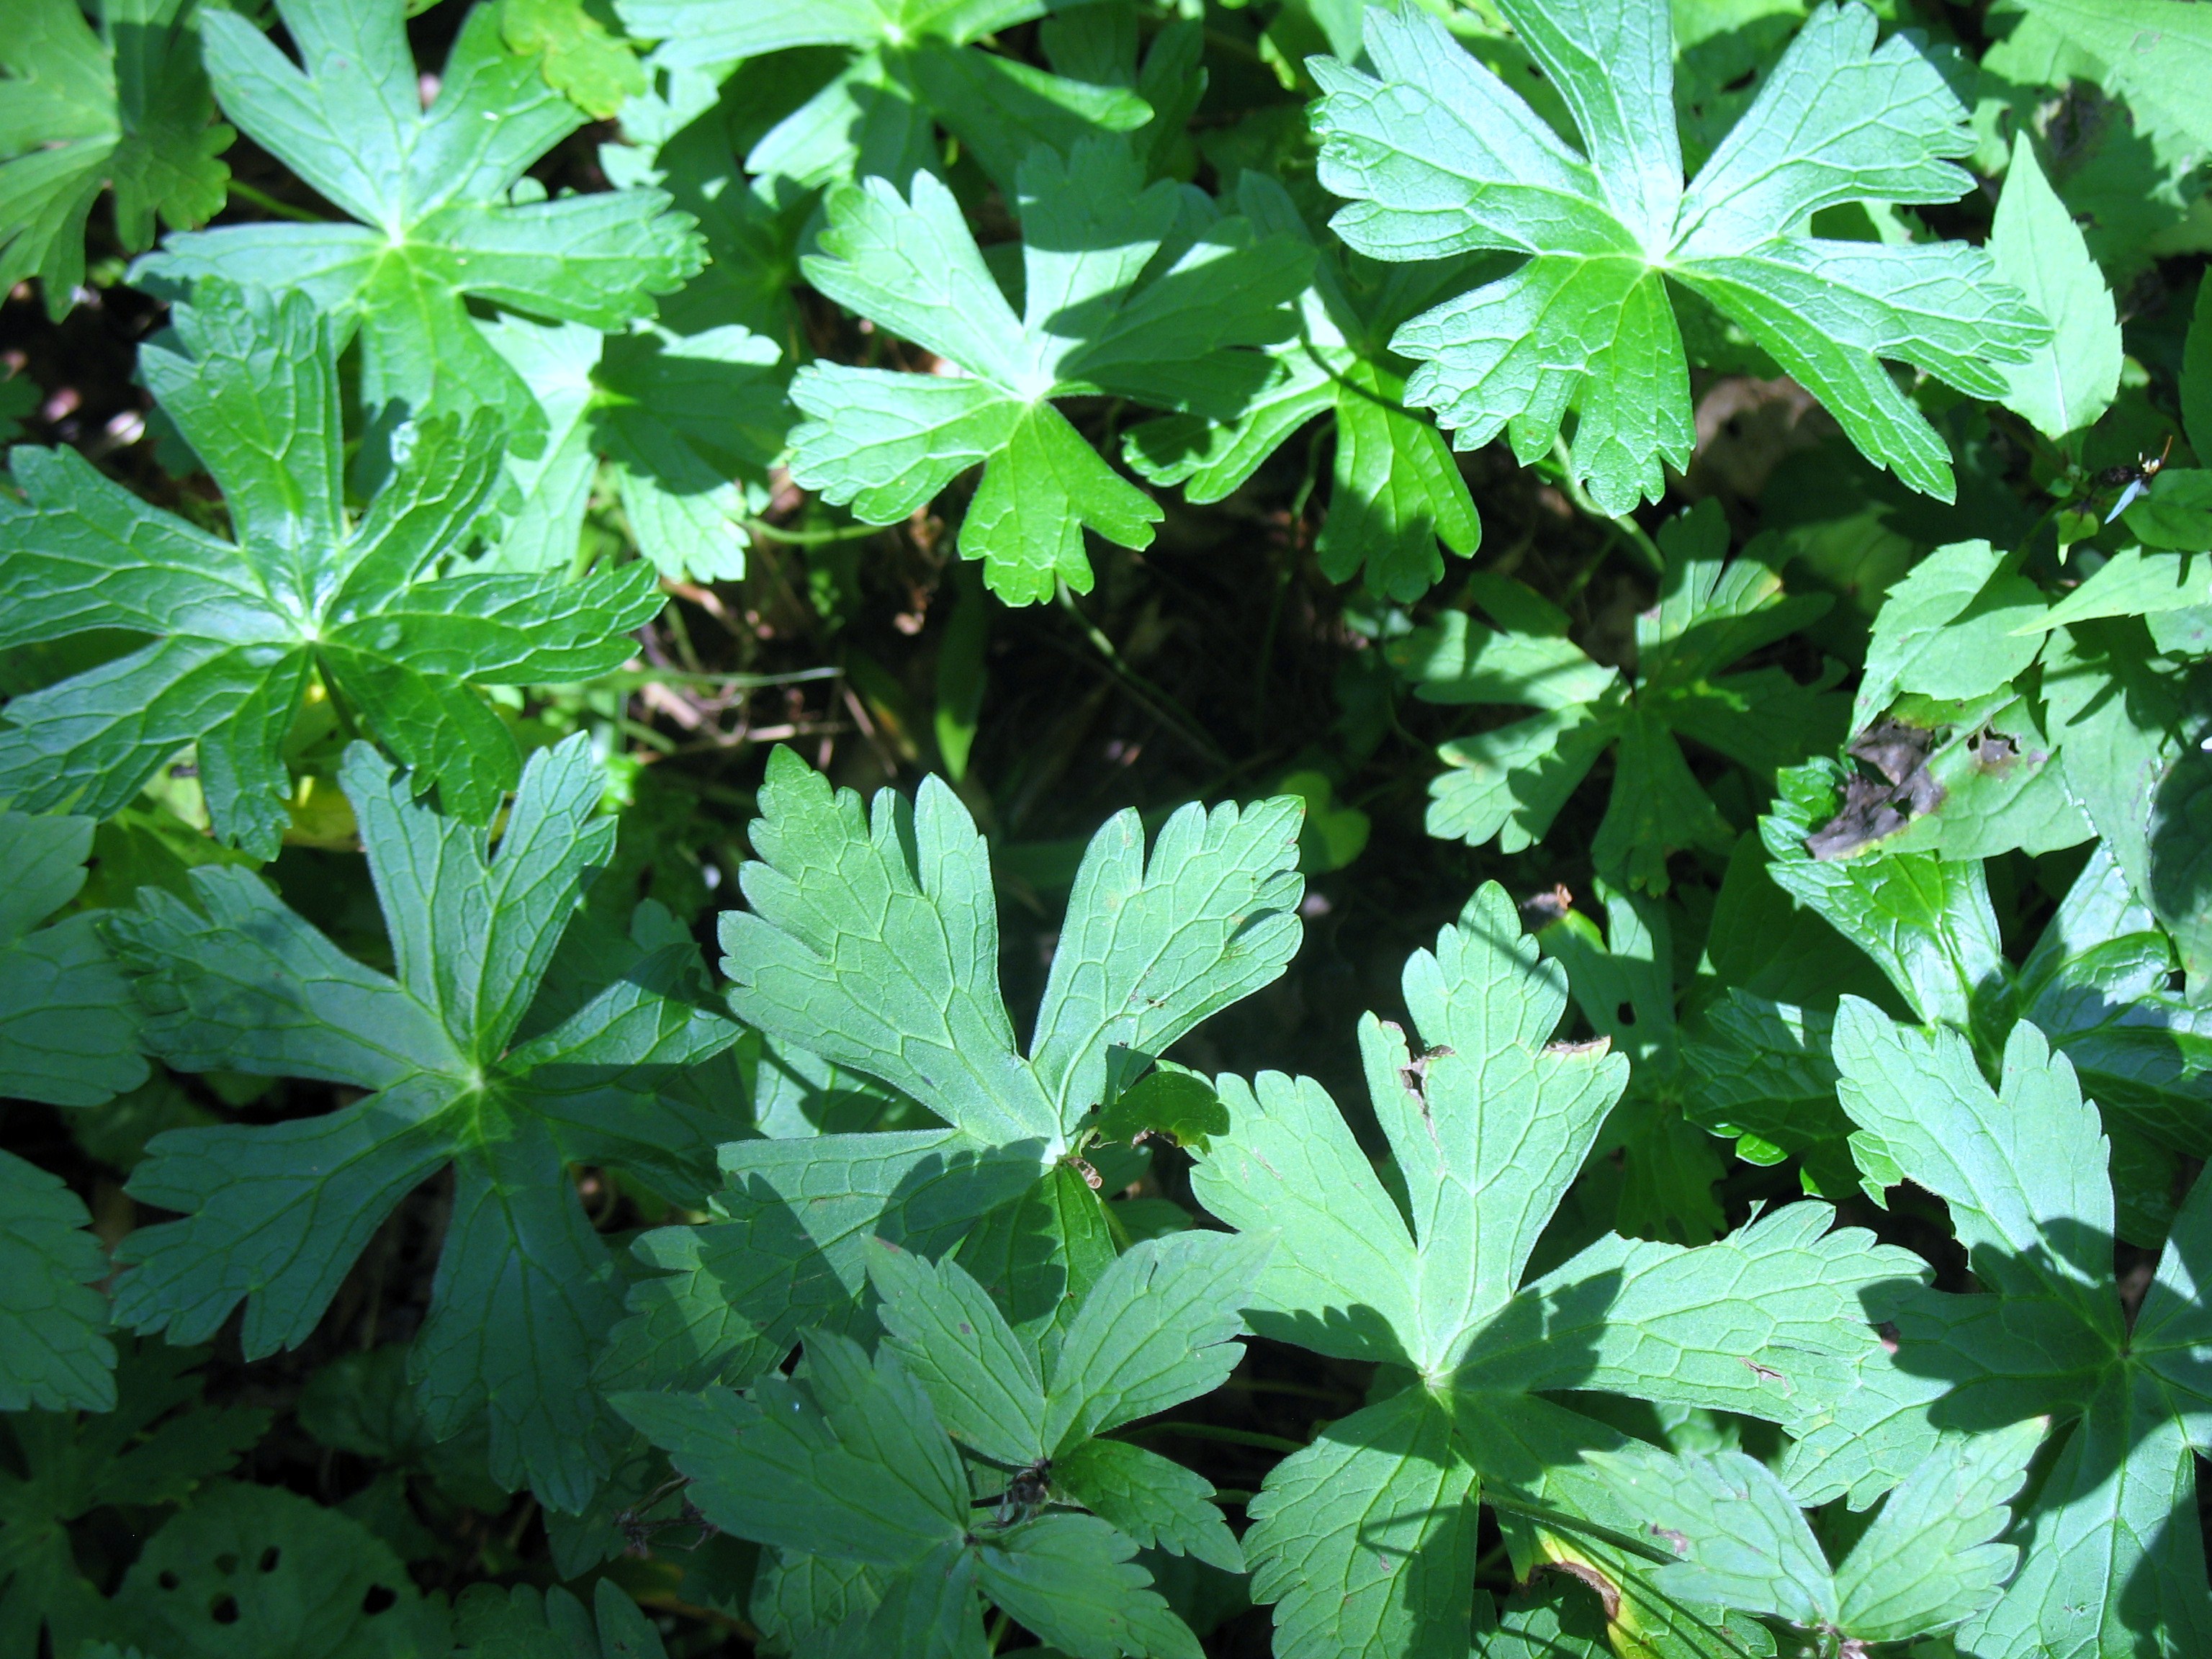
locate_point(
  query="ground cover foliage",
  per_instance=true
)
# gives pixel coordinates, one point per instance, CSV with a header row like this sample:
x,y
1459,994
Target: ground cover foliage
x,y
1156,827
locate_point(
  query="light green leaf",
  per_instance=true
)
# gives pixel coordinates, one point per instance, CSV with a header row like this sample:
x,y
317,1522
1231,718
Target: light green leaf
x,y
580,58
688,424
2111,1553
1363,1537
2024,1171
126,108
1348,1286
1365,1541
2157,51
1439,157
1129,289
446,216
2067,384
1951,628
1929,1561
2132,583
240,626
1768,1322
902,903
1743,1542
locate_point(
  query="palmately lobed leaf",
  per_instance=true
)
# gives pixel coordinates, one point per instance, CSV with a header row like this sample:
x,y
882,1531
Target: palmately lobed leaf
x,y
445,215
275,1215
240,627
1438,157
1510,781
124,108
1129,289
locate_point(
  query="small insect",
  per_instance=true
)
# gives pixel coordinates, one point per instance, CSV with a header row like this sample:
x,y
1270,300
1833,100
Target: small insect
x,y
1026,1493
2136,477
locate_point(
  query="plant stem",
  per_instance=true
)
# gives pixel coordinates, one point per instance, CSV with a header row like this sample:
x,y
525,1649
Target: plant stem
x,y
847,532
339,706
268,203
1232,1436
1155,702
1624,527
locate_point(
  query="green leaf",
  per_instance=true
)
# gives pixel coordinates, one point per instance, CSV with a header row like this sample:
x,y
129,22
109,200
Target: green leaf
x,y
1951,628
2131,583
687,425
240,626
1395,491
445,215
1365,1537
1179,1104
1930,1561
1743,1542
847,1459
2095,984
1438,157
784,1248
2025,1182
910,65
524,1623
2196,373
1365,1541
2109,1543
900,903
1348,1287
250,1572
2112,1548
1512,781
68,1030
1128,289
1069,1578
150,1451
126,107
1156,1328
2067,384
580,58
363,1403
52,1355
525,1288
1148,1499
983,1378
1926,922
2156,52
1760,1071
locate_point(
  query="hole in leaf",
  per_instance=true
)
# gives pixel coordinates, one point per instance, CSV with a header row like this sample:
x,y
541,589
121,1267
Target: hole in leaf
x,y
378,1598
1625,1014
167,1580
225,1610
269,1559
